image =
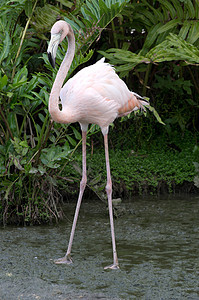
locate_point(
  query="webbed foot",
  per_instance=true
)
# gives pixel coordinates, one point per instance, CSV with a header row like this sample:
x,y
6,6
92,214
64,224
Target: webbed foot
x,y
112,267
64,260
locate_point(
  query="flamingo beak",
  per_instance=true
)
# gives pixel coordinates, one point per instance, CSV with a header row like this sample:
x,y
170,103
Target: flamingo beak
x,y
51,60
52,48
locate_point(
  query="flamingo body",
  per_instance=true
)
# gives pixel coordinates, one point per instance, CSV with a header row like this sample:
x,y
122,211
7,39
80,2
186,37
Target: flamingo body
x,y
96,95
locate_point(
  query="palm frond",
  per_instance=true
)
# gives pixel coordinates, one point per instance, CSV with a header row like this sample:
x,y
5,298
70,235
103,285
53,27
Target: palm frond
x,y
173,48
97,15
172,33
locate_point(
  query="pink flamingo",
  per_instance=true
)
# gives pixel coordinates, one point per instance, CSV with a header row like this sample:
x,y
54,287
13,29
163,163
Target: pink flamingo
x,y
96,95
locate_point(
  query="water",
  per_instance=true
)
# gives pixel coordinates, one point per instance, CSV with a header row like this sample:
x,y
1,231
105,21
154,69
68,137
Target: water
x,y
157,241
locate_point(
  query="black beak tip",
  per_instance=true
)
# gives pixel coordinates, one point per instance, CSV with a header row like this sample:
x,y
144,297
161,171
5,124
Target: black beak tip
x,y
51,60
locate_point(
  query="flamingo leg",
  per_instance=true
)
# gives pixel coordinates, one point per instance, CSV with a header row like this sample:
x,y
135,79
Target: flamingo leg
x,y
67,258
115,264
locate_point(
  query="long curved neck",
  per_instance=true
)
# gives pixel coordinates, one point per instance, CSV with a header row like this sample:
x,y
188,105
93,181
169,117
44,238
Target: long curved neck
x,y
53,106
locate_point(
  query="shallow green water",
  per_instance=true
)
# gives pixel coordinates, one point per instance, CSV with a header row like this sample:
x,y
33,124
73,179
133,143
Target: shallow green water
x,y
157,241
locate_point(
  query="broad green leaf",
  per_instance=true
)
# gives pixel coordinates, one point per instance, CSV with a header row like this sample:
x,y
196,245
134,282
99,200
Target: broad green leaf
x,y
76,133
9,94
193,35
169,25
178,7
89,17
3,81
157,13
66,3
20,77
143,19
190,9
155,113
21,147
42,118
93,9
28,8
184,29
24,144
27,96
169,7
103,7
75,24
33,170
148,15
71,140
151,37
41,170
5,51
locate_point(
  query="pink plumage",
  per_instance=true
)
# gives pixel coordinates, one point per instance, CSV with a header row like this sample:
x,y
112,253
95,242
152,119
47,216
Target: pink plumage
x,y
96,95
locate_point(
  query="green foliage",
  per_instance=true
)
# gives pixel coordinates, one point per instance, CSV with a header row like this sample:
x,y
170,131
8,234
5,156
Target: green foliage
x,y
160,53
96,15
35,152
32,148
44,17
165,17
172,48
24,127
172,34
153,169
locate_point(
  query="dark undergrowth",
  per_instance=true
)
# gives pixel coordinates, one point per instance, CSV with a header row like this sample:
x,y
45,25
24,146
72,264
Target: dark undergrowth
x,y
155,168
151,166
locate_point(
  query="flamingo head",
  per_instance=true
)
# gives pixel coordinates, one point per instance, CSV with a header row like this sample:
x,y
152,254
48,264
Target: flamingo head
x,y
58,32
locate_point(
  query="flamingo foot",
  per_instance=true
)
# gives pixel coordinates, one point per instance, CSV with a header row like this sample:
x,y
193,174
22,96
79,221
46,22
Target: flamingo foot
x,y
112,267
64,260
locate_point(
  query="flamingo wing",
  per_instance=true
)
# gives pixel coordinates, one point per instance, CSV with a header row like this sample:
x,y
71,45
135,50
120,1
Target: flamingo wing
x,y
97,95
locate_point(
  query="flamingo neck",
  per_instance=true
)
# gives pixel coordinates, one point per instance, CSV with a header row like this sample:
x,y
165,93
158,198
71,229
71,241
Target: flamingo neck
x,y
56,114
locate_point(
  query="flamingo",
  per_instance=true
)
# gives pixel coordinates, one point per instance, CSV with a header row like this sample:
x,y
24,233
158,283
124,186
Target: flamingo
x,y
95,95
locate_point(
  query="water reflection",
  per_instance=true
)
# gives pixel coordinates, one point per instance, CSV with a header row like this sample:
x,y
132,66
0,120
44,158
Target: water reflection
x,y
157,241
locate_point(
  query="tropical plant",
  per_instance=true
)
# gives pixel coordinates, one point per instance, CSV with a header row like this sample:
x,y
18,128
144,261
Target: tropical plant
x,y
170,30
32,147
162,31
